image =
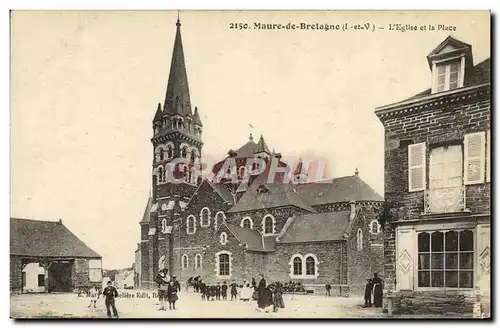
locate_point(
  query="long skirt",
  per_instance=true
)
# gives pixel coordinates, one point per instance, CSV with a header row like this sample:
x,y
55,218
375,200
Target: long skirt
x,y
377,295
278,300
265,298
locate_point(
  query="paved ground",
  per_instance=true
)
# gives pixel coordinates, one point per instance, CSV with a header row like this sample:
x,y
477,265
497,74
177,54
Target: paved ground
x,y
189,305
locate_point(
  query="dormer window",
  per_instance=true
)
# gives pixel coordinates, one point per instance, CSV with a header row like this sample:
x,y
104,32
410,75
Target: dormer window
x,y
448,76
451,64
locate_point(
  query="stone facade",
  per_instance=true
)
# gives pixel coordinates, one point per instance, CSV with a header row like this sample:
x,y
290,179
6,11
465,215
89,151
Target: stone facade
x,y
439,121
182,226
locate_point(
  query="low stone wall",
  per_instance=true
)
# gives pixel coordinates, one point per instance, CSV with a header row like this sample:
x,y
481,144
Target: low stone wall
x,y
448,303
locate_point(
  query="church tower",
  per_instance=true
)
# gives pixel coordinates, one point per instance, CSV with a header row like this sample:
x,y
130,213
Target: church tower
x,y
177,146
177,131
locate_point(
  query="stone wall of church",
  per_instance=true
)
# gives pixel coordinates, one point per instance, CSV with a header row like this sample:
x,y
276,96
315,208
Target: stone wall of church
x,y
329,269
365,260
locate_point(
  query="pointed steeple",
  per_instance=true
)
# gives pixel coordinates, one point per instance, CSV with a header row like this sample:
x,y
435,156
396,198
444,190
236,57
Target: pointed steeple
x,y
158,114
196,117
177,100
261,146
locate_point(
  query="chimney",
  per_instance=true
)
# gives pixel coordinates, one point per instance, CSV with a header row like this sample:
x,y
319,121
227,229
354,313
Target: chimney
x,y
59,221
353,210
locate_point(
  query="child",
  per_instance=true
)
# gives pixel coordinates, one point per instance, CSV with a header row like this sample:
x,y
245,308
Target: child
x,y
224,291
234,291
172,295
217,291
94,296
328,287
110,293
368,293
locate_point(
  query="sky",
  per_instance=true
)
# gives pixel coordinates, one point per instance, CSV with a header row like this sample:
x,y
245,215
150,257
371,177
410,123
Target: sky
x,y
85,86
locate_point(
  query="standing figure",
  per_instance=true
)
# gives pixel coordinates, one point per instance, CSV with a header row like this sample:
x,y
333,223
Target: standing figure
x,y
278,297
172,295
217,291
203,290
328,287
368,292
162,279
264,294
177,284
377,290
94,296
234,290
110,293
224,291
254,284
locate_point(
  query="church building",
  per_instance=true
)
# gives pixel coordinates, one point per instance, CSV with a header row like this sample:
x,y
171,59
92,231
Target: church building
x,y
242,223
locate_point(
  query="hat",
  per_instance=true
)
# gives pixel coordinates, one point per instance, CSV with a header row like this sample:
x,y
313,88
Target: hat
x,y
174,276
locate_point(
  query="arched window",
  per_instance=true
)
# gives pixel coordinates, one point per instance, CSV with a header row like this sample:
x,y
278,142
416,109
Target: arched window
x,y
374,227
191,225
161,154
219,218
360,239
223,261
223,238
184,152
246,223
205,217
170,152
297,266
310,266
268,225
185,261
193,156
198,261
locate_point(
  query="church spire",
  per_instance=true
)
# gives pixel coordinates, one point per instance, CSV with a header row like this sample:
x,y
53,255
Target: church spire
x,y
177,100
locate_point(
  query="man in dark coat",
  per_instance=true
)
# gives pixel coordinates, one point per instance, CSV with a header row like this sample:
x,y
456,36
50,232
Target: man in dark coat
x,y
203,290
377,290
110,293
172,295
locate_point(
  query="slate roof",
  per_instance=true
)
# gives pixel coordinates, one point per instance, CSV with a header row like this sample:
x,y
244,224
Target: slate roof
x,y
482,74
222,191
317,227
246,150
279,195
261,146
253,238
337,190
147,210
46,239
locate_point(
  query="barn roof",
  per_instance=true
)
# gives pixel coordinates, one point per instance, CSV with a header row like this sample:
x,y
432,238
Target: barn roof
x,y
46,239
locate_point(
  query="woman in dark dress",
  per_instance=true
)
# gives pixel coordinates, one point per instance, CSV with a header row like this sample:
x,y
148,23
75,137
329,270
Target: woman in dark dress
x,y
265,295
377,290
368,293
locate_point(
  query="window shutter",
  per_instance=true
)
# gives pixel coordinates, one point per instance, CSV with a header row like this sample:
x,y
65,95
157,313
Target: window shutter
x,y
474,146
416,167
488,156
483,258
405,242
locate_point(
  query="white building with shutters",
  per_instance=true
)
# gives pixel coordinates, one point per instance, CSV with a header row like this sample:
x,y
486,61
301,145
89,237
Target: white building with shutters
x,y
437,188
